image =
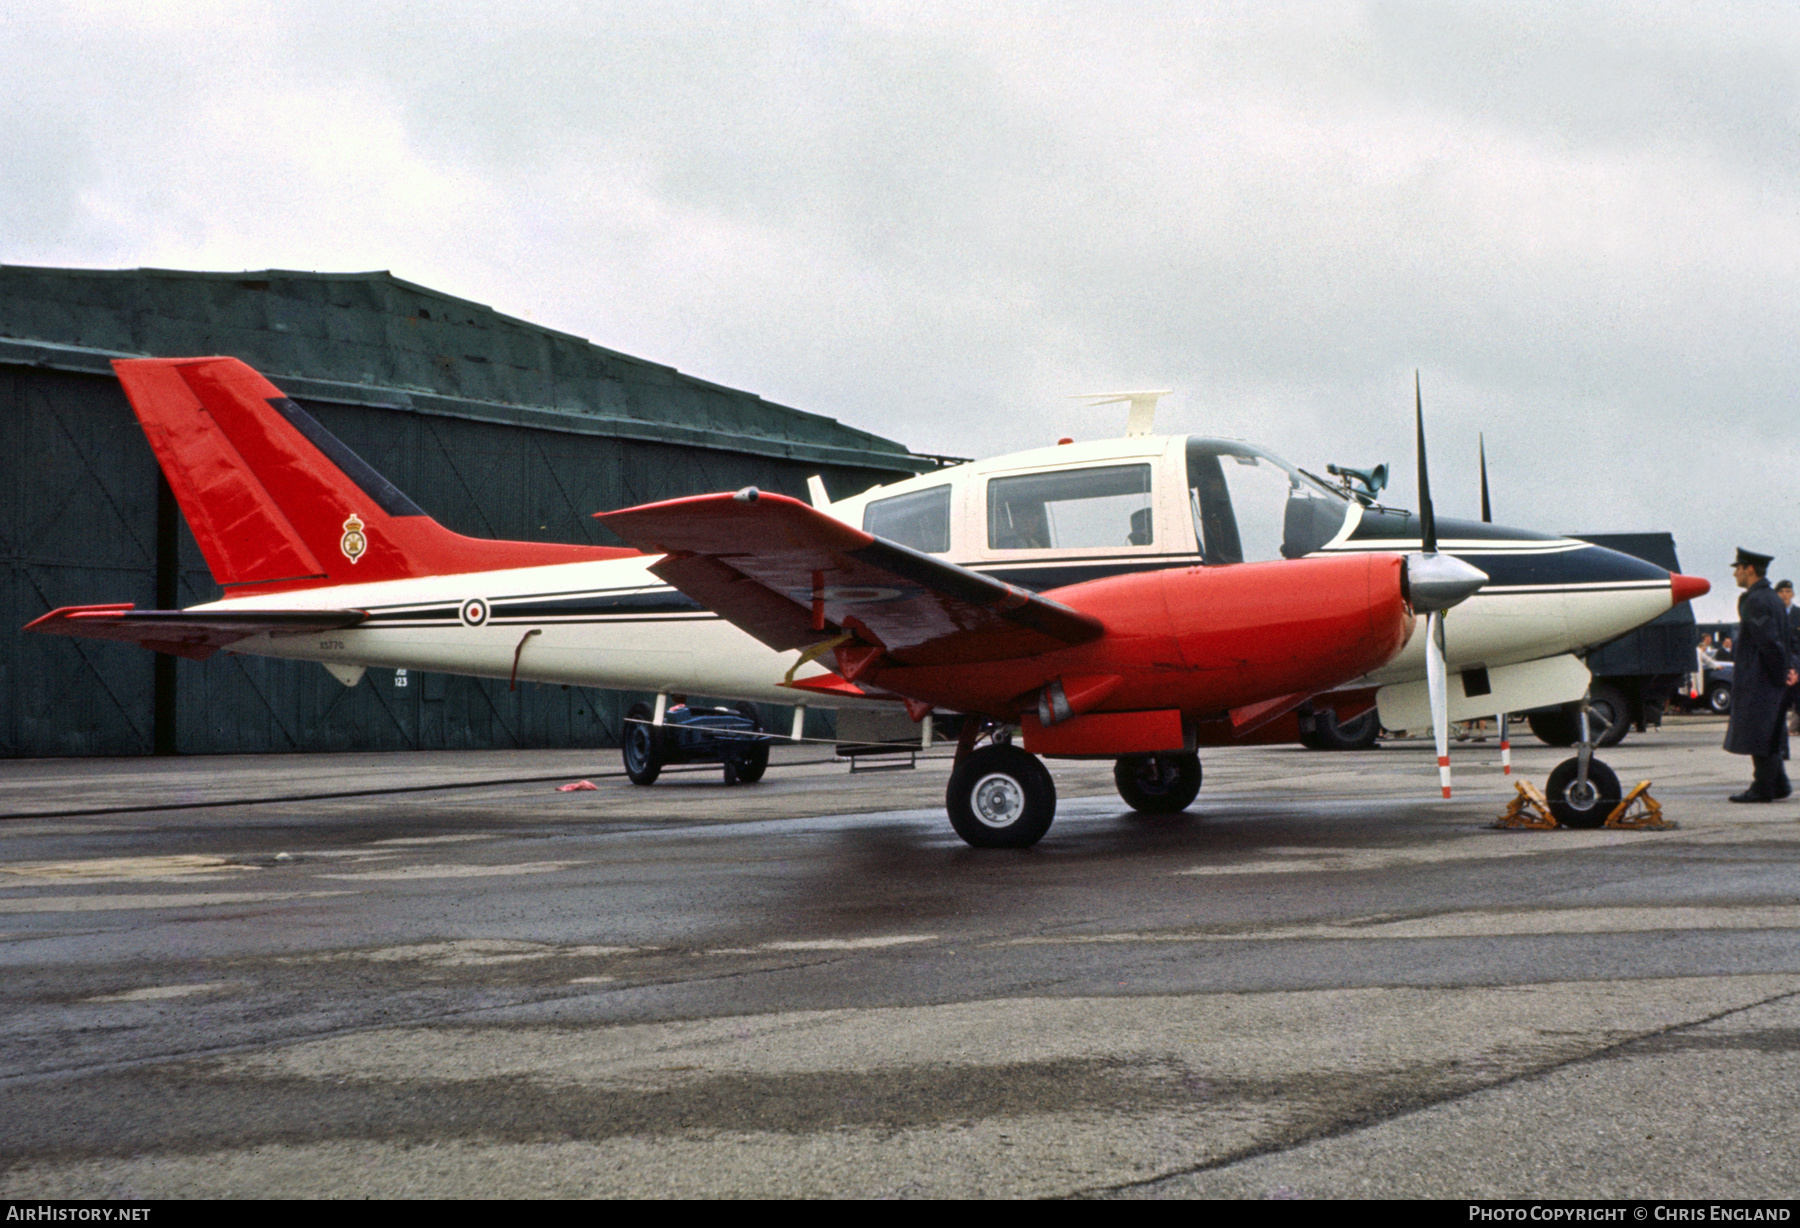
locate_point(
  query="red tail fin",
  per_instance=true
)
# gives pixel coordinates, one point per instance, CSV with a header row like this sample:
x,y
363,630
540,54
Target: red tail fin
x,y
277,502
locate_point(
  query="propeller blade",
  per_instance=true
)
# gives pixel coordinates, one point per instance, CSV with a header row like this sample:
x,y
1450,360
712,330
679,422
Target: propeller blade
x,y
1437,687
1435,583
1427,521
1487,513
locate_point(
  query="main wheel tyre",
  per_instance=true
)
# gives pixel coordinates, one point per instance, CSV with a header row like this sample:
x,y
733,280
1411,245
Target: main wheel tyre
x,y
1718,697
1608,714
749,764
1158,784
1001,798
1329,733
643,753
1577,806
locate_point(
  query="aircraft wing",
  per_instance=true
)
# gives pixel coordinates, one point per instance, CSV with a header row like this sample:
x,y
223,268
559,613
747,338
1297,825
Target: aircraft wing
x,y
187,633
792,576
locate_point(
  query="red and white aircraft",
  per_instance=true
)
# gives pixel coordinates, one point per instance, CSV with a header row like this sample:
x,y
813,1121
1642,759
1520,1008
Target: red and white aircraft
x,y
1130,599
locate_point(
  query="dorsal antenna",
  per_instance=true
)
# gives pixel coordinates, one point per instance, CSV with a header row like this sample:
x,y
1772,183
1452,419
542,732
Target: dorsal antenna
x,y
1143,406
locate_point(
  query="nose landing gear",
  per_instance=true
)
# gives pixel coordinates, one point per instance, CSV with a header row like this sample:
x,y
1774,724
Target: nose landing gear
x,y
1583,790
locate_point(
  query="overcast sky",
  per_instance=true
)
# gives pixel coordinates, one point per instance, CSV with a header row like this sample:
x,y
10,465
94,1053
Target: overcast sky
x,y
1580,223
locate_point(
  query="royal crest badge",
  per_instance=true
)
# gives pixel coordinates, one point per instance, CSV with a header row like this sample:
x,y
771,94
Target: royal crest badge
x,y
353,543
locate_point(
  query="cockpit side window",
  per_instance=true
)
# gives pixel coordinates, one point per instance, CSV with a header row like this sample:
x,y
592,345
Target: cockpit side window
x,y
920,519
1249,507
1086,509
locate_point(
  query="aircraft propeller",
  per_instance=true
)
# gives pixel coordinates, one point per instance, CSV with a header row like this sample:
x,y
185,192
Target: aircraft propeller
x,y
1487,513
1434,583
1487,517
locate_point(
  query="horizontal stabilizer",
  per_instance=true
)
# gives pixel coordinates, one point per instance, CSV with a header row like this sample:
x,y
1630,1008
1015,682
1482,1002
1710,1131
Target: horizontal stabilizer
x,y
196,634
792,576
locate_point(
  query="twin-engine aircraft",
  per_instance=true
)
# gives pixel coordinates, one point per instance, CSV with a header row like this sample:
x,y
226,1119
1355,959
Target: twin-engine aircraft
x,y
1130,599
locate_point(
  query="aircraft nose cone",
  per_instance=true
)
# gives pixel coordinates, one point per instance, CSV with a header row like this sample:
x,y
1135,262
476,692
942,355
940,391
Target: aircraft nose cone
x,y
1439,581
1686,588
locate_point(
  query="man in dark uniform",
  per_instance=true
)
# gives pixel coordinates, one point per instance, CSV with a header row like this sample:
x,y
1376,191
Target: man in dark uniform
x,y
1759,687
1785,591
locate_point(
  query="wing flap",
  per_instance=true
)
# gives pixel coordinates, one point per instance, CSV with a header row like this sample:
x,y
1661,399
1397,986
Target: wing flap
x,y
765,614
195,634
813,578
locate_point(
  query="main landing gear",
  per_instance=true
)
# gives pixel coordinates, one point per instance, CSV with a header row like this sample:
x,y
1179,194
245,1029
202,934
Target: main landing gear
x,y
1583,790
1158,784
1000,797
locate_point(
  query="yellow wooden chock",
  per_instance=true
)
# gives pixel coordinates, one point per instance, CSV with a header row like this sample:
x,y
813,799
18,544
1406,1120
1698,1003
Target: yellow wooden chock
x,y
1530,811
1638,812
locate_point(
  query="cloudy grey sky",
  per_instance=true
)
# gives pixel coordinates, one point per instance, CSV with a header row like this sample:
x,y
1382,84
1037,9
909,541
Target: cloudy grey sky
x,y
1581,223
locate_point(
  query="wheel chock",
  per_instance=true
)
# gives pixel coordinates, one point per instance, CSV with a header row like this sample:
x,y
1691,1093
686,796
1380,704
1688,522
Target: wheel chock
x,y
1638,812
1530,811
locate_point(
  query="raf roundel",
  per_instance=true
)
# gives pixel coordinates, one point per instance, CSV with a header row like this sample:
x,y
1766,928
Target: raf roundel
x,y
354,541
851,594
474,612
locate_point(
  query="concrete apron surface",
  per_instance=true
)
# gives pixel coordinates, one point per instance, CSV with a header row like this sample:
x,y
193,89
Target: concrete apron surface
x,y
1320,982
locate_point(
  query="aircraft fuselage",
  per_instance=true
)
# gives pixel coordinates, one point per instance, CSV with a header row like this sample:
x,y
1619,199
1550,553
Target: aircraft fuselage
x,y
1047,521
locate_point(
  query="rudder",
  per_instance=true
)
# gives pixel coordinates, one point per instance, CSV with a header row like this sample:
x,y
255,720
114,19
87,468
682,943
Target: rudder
x,y
277,502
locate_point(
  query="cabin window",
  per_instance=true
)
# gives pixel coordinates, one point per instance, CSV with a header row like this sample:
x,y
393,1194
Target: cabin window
x,y
920,520
1087,509
1250,508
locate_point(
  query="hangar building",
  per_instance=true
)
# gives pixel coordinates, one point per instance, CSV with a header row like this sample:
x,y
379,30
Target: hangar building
x,y
497,427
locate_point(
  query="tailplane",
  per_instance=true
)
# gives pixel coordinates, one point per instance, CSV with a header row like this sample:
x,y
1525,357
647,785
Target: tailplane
x,y
277,502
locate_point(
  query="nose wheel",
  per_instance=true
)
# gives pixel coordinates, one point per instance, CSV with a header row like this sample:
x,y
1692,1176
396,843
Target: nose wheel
x,y
1582,803
1583,791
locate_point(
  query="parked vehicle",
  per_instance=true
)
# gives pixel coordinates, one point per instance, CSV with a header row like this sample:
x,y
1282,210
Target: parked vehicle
x,y
731,736
1714,692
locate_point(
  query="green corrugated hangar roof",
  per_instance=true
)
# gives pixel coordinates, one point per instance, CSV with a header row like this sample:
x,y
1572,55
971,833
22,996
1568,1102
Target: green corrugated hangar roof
x,y
373,339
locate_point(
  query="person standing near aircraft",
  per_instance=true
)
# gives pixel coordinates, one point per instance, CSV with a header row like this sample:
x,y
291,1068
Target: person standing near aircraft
x,y
1759,688
1785,591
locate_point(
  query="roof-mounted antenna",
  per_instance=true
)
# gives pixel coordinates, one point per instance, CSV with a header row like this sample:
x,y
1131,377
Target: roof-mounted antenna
x,y
1143,406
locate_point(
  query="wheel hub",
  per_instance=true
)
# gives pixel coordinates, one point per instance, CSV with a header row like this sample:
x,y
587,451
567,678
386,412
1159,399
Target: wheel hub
x,y
1157,776
1582,795
998,800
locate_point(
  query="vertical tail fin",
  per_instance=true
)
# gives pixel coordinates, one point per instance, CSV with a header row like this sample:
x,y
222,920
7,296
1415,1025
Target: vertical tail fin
x,y
277,502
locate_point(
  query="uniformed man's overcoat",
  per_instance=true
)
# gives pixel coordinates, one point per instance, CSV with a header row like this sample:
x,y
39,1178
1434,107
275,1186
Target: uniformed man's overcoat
x,y
1764,652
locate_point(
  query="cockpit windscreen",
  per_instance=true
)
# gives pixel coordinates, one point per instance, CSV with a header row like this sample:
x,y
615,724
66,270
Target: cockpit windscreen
x,y
1249,507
